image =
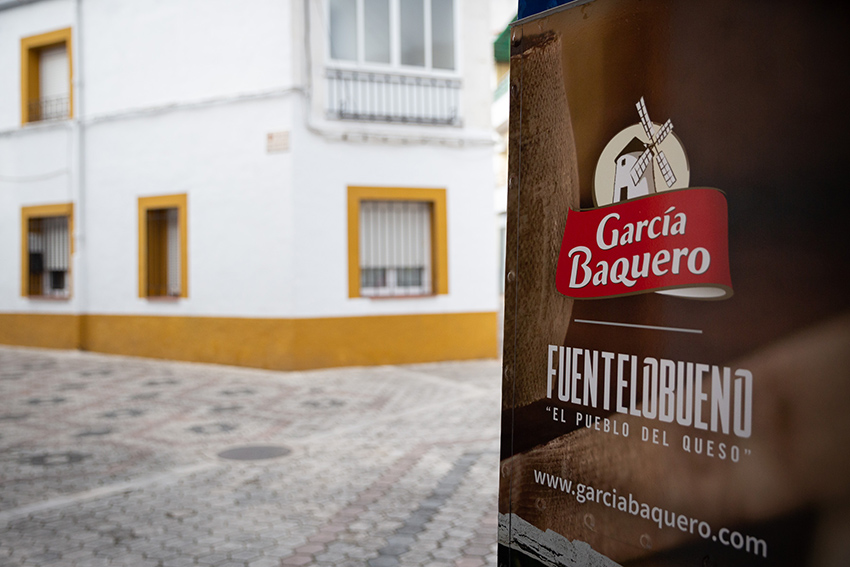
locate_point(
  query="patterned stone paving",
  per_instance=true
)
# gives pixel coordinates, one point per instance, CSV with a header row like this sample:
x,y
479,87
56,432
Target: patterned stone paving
x,y
115,461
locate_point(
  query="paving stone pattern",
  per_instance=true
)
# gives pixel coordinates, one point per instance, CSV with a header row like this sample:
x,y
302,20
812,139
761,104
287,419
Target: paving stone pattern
x,y
109,460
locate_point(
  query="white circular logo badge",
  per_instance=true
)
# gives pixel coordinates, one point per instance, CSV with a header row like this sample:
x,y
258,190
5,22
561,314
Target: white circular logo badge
x,y
640,160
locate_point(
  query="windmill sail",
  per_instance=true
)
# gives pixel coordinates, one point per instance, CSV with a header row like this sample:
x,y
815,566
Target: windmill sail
x,y
644,160
645,121
666,170
666,129
640,166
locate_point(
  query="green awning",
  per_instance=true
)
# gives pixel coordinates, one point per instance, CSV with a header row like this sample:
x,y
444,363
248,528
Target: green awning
x,y
502,45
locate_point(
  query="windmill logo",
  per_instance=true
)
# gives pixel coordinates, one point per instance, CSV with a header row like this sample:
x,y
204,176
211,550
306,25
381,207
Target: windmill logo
x,y
634,158
644,234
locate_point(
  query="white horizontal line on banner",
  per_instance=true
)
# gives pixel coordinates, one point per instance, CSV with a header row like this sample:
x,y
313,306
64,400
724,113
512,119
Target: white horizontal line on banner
x,y
635,326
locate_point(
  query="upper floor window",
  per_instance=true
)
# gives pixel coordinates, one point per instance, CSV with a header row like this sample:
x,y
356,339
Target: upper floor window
x,y
46,76
413,33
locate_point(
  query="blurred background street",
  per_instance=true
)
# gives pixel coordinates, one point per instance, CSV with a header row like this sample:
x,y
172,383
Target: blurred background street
x,y
109,460
311,194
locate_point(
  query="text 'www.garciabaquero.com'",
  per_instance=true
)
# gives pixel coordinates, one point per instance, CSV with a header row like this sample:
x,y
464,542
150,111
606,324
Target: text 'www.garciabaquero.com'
x,y
663,518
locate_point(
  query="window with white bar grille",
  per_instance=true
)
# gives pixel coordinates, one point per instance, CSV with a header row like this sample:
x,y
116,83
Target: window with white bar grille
x,y
395,248
49,250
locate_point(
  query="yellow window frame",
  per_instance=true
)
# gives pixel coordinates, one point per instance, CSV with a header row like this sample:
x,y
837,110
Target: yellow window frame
x,y
178,202
30,83
439,231
42,211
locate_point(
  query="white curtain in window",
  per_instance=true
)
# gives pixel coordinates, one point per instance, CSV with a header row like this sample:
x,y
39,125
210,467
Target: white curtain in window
x,y
56,245
53,72
412,16
173,268
343,32
442,34
377,36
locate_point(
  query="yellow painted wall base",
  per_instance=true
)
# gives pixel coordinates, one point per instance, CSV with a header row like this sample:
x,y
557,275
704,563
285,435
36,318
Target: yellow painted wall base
x,y
36,330
282,344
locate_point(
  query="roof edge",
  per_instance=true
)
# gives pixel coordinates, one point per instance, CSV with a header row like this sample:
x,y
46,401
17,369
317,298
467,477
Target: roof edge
x,y
536,11
8,4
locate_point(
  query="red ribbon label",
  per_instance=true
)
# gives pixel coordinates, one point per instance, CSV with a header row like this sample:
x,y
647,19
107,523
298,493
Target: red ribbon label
x,y
674,242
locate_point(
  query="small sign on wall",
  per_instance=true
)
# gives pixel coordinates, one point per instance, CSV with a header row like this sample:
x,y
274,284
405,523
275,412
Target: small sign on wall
x,y
277,142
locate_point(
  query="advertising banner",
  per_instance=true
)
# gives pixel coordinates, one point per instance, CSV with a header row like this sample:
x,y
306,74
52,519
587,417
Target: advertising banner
x,y
677,324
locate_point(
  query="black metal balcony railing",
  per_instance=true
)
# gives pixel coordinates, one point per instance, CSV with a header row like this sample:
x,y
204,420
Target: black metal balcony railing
x,y
387,97
49,108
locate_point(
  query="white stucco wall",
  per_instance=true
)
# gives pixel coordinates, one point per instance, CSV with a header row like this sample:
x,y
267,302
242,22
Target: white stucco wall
x,y
35,169
19,22
458,159
158,52
477,58
36,161
320,183
181,96
239,228
178,98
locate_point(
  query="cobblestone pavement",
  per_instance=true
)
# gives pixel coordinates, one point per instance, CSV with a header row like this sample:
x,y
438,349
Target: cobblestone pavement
x,y
108,460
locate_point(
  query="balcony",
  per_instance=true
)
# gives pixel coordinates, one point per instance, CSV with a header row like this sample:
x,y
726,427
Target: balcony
x,y
49,108
392,98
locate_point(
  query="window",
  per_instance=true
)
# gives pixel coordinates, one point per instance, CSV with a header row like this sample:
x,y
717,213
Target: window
x,y
414,33
392,61
46,250
162,246
395,248
397,242
46,76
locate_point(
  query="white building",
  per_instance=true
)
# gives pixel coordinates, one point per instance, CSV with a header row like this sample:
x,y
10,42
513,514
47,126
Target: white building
x,y
274,183
503,12
625,187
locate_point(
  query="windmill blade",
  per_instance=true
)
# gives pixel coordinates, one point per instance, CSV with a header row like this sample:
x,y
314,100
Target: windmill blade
x,y
666,170
640,166
665,130
645,121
